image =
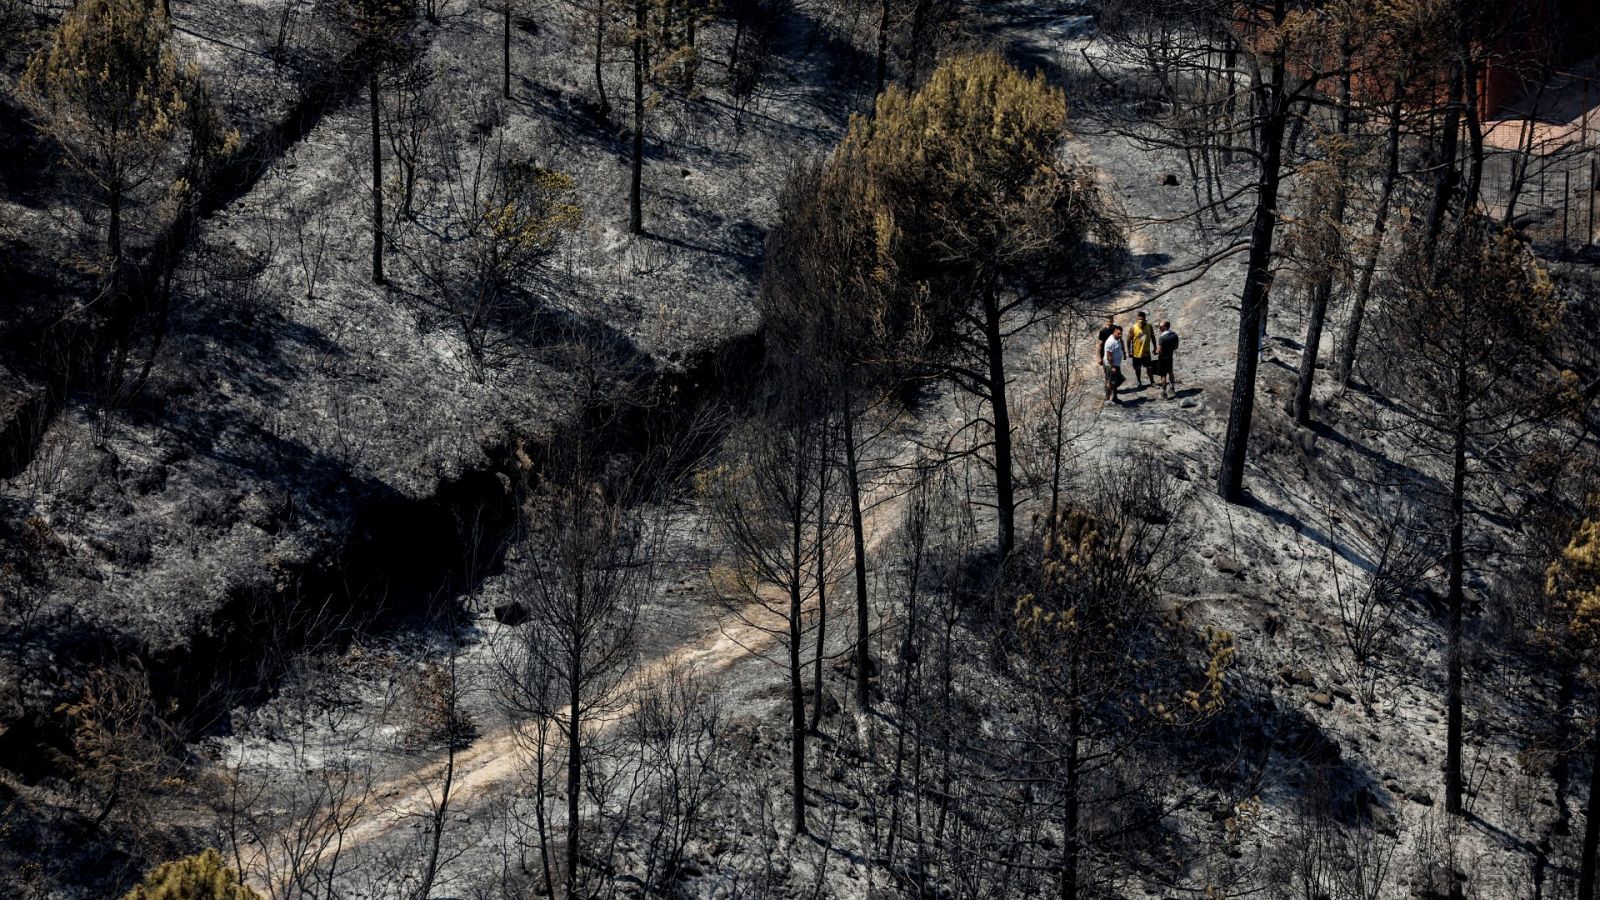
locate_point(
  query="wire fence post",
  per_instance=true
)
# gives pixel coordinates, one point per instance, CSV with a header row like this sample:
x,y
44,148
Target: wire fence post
x,y
1594,158
1566,205
1583,150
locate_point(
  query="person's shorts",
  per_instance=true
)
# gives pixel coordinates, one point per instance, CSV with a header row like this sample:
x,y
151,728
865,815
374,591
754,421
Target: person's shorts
x,y
1114,375
1140,362
1162,367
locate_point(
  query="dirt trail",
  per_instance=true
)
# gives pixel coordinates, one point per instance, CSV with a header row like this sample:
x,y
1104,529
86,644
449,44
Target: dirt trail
x,y
497,758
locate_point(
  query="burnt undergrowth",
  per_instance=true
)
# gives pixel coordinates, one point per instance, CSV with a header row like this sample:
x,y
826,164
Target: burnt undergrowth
x,y
398,563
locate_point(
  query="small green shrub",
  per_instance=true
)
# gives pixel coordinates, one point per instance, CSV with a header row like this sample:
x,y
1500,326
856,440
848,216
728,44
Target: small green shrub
x,y
199,877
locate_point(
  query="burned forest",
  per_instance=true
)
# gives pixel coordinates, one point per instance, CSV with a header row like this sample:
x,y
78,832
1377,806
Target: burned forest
x,y
604,449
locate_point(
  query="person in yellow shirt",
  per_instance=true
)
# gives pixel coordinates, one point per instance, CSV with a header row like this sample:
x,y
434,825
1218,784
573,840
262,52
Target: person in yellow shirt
x,y
1142,349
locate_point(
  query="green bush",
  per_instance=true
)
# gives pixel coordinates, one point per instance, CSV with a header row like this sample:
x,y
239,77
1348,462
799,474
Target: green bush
x,y
199,877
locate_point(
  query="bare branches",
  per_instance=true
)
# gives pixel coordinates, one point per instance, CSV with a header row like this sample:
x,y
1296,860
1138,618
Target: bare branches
x,y
479,242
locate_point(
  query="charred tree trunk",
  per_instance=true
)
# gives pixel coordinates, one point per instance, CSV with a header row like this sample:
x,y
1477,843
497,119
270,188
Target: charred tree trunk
x,y
574,769
636,181
1252,307
823,467
883,48
796,695
1445,161
1358,306
377,179
859,540
908,658
505,51
441,813
1469,195
110,377
540,822
604,111
1004,492
1322,290
1306,378
919,29
114,227
1230,104
162,306
1454,787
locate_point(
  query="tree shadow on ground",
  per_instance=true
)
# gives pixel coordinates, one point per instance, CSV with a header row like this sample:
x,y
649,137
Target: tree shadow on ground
x,y
27,158
1316,535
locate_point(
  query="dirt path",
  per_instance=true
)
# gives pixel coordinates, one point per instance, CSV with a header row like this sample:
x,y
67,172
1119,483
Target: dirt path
x,y
497,758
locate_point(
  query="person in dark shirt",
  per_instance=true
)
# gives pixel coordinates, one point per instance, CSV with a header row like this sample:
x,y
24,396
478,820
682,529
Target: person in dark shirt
x,y
1100,342
1166,350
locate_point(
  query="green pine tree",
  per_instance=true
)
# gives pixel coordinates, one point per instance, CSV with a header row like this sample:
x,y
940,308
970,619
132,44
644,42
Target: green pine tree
x,y
110,89
202,876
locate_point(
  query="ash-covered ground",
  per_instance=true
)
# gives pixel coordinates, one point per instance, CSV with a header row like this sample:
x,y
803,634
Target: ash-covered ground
x,y
301,528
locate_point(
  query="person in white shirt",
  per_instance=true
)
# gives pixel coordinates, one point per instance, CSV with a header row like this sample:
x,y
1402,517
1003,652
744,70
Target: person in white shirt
x,y
1111,360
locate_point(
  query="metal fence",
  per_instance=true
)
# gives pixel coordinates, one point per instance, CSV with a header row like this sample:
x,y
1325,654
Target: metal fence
x,y
1542,162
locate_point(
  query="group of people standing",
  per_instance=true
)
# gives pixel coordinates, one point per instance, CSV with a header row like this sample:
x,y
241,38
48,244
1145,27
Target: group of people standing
x,y
1150,350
